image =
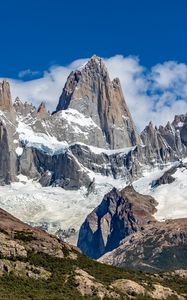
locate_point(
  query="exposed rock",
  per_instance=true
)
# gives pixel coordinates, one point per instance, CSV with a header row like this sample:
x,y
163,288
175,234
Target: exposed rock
x,y
42,112
18,238
157,144
129,287
44,257
90,91
94,113
18,105
167,177
46,178
88,286
119,215
132,288
5,96
162,292
180,123
181,273
23,269
160,246
168,143
63,169
4,156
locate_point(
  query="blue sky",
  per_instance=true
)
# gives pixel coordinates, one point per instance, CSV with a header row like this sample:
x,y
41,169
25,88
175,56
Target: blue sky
x,y
143,42
36,34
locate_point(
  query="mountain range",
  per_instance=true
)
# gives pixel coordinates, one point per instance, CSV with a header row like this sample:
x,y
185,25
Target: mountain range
x,y
86,174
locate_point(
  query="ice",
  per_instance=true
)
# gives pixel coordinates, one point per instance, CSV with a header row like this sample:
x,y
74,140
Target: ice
x,y
62,209
97,150
171,198
41,141
59,208
51,145
75,117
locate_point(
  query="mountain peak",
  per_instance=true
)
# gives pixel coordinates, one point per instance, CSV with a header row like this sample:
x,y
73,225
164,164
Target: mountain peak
x,y
95,58
96,64
91,92
42,112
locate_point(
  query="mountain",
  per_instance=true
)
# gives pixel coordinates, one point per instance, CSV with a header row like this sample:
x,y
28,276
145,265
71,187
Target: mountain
x,y
125,231
36,265
121,213
91,118
52,163
91,92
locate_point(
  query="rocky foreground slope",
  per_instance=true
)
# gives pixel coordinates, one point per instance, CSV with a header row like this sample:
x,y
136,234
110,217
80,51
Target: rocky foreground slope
x,y
35,265
160,246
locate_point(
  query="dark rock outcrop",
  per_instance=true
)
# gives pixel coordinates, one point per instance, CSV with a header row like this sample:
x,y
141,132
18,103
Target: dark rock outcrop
x,y
167,177
4,156
120,214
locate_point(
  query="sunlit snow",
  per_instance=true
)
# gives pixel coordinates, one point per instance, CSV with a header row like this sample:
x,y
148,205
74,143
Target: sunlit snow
x,y
171,198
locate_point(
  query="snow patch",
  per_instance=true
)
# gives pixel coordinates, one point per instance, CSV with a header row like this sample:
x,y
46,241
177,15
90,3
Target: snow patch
x,y
19,151
74,116
171,198
41,141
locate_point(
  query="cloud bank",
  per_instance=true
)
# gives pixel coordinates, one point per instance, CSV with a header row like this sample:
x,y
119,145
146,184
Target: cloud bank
x,y
155,94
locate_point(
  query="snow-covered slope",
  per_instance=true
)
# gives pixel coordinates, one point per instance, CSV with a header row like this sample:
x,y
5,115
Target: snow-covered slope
x,y
171,198
53,208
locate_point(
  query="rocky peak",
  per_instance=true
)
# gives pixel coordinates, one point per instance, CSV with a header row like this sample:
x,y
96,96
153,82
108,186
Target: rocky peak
x,y
90,91
169,127
120,214
179,120
42,111
5,96
18,105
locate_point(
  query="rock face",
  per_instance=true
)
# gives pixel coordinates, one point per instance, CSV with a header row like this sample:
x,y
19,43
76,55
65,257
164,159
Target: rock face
x,y
42,112
4,156
91,92
180,123
160,246
5,96
119,215
165,143
91,123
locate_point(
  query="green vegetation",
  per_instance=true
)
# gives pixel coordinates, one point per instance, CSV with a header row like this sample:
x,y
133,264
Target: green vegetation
x,y
61,285
24,236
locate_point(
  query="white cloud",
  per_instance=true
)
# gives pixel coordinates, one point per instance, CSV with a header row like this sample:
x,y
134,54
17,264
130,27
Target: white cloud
x,y
157,94
28,72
